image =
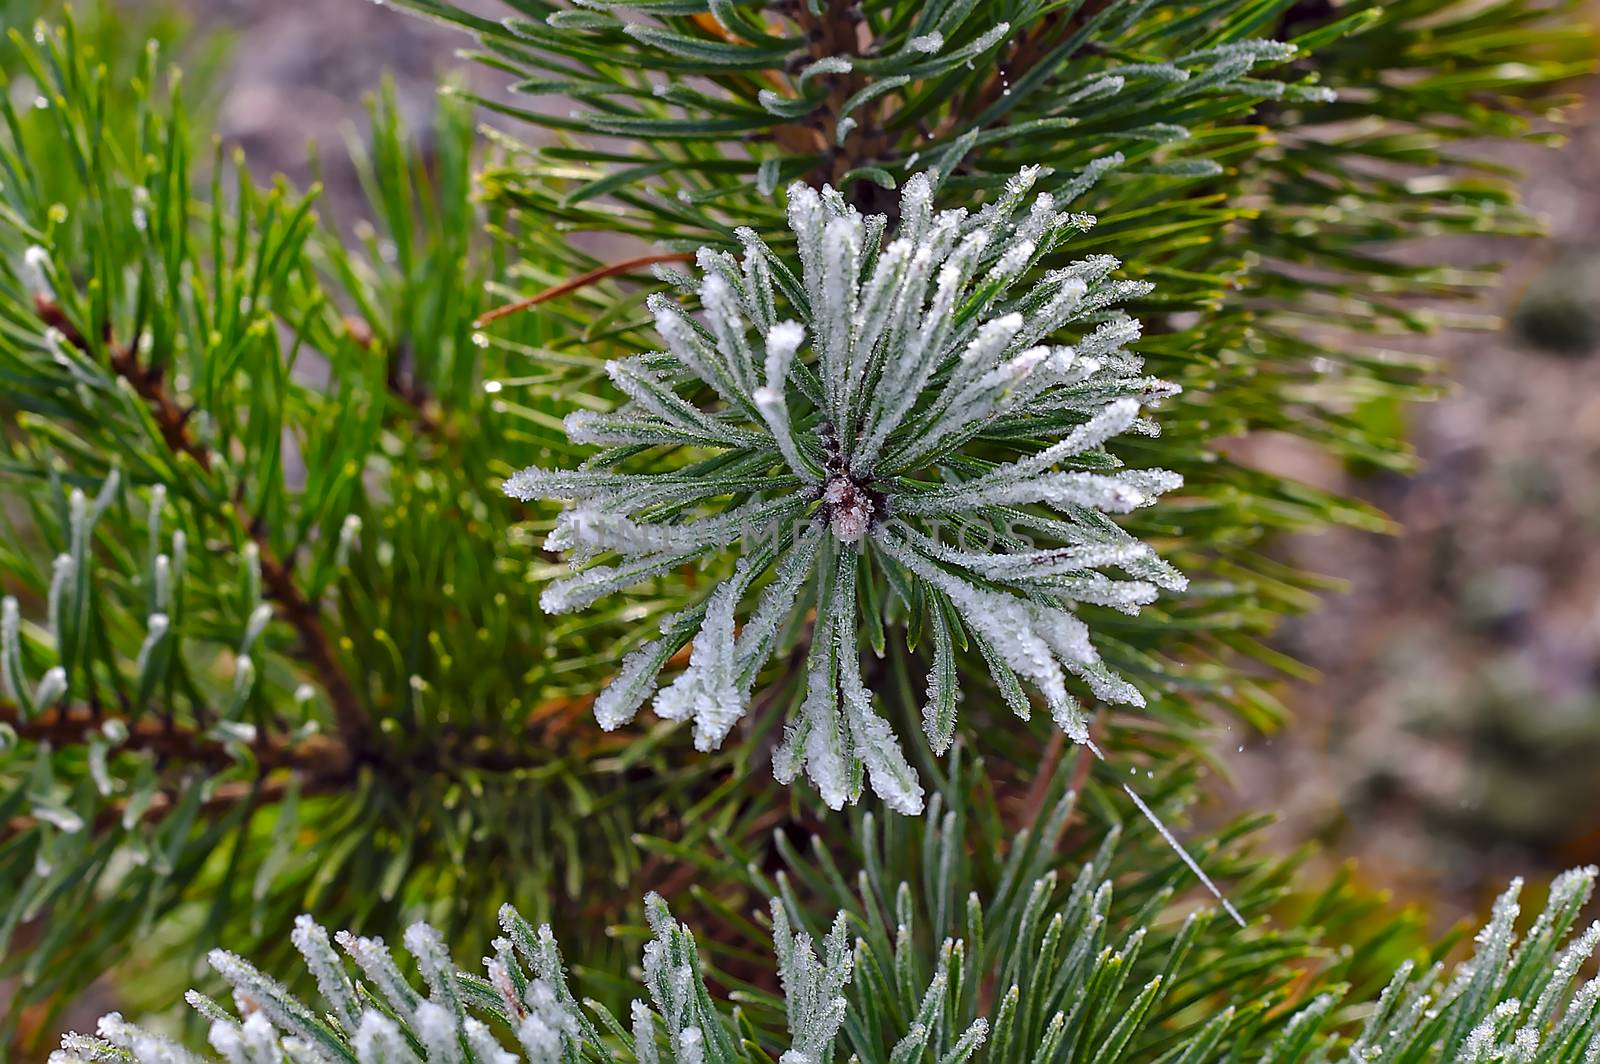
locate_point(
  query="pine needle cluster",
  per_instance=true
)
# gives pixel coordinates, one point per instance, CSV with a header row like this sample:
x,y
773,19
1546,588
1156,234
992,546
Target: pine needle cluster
x,y
1030,969
937,419
849,454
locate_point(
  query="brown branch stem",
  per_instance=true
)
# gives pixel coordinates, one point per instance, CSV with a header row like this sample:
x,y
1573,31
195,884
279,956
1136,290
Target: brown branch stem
x,y
839,31
402,384
317,764
599,273
67,725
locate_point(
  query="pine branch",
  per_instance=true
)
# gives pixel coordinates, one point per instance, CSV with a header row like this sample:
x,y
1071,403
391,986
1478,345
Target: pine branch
x,y
916,445
258,527
277,575
1089,959
1214,147
1157,130
402,560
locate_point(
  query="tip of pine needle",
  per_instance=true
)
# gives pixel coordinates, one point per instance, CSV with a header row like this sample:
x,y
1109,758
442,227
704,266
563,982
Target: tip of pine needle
x,y
1172,841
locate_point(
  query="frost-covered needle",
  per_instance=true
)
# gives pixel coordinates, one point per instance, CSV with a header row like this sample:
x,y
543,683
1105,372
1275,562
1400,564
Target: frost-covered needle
x,y
1172,841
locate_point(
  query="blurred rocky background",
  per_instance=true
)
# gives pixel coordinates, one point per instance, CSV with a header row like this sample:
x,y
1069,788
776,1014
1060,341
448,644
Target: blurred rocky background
x,y
1452,739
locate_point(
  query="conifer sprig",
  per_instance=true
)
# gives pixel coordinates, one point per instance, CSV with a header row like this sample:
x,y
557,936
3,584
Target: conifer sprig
x,y
253,642
1274,310
177,744
989,957
889,425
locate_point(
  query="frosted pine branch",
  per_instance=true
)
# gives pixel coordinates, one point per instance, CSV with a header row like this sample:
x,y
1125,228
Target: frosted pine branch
x,y
1511,1001
898,405
380,1016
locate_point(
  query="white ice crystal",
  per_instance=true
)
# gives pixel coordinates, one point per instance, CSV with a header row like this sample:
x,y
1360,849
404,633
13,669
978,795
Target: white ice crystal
x,y
546,1026
311,940
922,405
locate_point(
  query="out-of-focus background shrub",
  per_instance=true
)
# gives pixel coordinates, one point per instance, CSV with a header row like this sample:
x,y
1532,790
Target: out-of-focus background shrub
x,y
1452,737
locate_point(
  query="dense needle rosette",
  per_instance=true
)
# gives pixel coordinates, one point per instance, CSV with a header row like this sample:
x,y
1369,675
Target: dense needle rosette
x,y
918,405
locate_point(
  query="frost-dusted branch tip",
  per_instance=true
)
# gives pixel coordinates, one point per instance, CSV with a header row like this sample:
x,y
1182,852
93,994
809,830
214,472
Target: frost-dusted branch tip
x,y
1517,998
900,417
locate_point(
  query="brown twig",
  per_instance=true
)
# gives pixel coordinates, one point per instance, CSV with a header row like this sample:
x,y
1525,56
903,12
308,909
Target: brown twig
x,y
147,382
277,576
405,387
316,764
277,579
63,725
225,796
583,279
319,763
401,382
1044,775
838,32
